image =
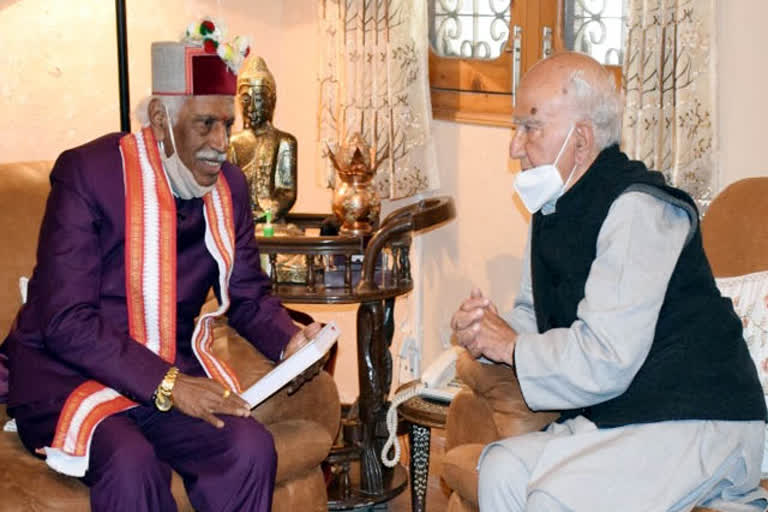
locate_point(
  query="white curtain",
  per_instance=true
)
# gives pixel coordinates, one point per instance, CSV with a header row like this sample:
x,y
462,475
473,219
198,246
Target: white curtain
x,y
374,80
670,81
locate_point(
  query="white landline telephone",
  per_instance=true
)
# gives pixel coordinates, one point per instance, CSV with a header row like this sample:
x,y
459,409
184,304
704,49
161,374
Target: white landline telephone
x,y
438,382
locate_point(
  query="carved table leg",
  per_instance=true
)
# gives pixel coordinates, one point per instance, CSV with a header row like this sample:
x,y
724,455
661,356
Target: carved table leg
x,y
385,356
419,438
370,339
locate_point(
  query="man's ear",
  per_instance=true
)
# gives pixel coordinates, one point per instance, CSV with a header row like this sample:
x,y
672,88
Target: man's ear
x,y
158,121
584,136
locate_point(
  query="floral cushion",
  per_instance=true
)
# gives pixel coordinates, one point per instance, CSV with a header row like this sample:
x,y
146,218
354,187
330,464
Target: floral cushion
x,y
749,294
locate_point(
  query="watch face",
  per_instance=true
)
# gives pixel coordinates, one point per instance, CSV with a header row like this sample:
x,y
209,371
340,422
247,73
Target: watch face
x,y
163,402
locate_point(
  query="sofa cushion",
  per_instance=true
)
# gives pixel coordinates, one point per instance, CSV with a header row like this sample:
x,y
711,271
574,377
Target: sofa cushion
x,y
27,483
306,493
458,504
498,385
300,445
733,232
469,420
749,294
460,470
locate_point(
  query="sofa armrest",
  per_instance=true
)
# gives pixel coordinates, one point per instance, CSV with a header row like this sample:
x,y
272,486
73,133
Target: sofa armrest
x,y
470,420
316,400
497,389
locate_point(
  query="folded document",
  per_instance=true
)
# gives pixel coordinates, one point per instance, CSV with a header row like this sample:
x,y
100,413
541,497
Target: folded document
x,y
298,362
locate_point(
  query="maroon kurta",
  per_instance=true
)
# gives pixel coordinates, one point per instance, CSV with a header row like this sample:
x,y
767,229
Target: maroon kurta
x,y
74,326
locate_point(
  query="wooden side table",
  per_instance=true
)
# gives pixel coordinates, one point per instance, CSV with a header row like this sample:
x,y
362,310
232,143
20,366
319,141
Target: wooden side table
x,y
375,290
422,416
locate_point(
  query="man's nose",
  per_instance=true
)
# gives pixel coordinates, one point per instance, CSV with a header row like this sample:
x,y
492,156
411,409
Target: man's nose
x,y
219,137
517,144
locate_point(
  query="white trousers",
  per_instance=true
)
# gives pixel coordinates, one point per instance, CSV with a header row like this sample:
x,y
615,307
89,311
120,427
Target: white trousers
x,y
667,466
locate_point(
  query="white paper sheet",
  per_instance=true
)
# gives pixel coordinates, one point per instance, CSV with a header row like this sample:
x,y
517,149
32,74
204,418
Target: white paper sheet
x,y
284,372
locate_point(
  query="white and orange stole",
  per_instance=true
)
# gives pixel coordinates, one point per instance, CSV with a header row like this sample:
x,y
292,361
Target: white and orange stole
x,y
150,281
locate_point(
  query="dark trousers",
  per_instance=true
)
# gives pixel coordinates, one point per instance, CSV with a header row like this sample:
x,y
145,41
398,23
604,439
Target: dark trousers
x,y
132,453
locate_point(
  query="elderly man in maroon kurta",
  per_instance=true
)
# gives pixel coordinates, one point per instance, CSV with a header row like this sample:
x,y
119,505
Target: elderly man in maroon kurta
x,y
112,378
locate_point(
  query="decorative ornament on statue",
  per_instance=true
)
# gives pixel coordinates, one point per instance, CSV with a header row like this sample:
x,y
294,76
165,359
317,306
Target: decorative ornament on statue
x,y
209,35
355,200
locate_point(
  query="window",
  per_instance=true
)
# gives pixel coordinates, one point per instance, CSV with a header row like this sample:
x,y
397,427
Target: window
x,y
481,48
470,29
597,28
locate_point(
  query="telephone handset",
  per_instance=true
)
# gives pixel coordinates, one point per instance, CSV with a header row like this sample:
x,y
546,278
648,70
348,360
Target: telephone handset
x,y
438,382
440,378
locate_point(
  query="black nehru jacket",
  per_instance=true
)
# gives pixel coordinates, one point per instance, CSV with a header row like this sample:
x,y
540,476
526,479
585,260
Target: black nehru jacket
x,y
698,366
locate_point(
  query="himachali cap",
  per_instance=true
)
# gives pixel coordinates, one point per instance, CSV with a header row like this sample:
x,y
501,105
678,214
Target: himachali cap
x,y
199,65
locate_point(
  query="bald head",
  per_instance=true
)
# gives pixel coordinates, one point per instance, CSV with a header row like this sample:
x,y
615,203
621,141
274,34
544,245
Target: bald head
x,y
562,65
580,85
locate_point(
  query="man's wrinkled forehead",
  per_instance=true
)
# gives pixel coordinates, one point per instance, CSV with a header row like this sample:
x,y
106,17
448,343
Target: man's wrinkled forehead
x,y
541,98
535,111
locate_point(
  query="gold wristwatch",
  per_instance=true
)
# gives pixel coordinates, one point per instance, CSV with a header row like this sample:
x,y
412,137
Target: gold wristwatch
x,y
163,393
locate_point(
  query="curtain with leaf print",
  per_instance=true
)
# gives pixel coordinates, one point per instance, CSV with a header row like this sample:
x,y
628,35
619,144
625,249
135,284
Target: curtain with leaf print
x,y
374,80
670,82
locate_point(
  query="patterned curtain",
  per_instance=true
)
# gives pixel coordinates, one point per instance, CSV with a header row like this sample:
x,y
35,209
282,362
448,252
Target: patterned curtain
x,y
670,82
374,80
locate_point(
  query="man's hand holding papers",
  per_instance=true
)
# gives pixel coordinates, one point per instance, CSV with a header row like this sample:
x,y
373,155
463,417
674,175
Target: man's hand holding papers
x,y
304,357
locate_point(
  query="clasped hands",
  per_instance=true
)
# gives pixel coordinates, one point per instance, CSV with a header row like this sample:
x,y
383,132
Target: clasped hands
x,y
479,328
204,398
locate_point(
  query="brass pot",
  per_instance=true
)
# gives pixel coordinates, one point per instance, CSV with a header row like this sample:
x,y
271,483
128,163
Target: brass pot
x,y
355,202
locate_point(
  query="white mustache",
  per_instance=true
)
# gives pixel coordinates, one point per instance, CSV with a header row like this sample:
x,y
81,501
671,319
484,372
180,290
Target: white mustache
x,y
211,155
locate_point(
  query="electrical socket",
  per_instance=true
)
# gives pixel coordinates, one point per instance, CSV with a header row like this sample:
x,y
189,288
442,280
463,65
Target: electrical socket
x,y
409,360
414,361
404,371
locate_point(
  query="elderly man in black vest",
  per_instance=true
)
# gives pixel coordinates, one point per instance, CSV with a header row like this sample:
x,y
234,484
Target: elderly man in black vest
x,y
618,325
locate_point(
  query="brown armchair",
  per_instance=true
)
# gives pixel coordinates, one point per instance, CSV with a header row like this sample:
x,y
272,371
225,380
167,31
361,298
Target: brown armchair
x,y
303,425
736,243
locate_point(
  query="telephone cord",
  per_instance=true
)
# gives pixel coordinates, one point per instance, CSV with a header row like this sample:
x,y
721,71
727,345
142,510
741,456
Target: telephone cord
x,y
398,399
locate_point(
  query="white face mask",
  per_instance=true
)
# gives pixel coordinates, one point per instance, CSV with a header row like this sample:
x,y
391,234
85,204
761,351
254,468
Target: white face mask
x,y
183,183
541,184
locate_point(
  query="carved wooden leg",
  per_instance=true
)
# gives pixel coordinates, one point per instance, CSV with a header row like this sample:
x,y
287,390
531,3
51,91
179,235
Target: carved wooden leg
x,y
405,265
388,331
419,438
370,339
383,362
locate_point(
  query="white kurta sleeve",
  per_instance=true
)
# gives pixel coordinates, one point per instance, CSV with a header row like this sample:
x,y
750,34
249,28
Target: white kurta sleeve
x,y
598,356
522,317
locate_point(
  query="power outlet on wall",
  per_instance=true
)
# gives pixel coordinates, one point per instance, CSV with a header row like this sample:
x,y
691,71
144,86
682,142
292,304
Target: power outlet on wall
x,y
409,361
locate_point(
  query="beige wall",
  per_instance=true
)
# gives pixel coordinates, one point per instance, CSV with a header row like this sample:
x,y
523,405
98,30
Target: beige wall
x,y
58,88
742,41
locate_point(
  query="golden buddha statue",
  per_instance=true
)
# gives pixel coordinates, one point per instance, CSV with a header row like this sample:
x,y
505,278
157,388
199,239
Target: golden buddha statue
x,y
266,155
